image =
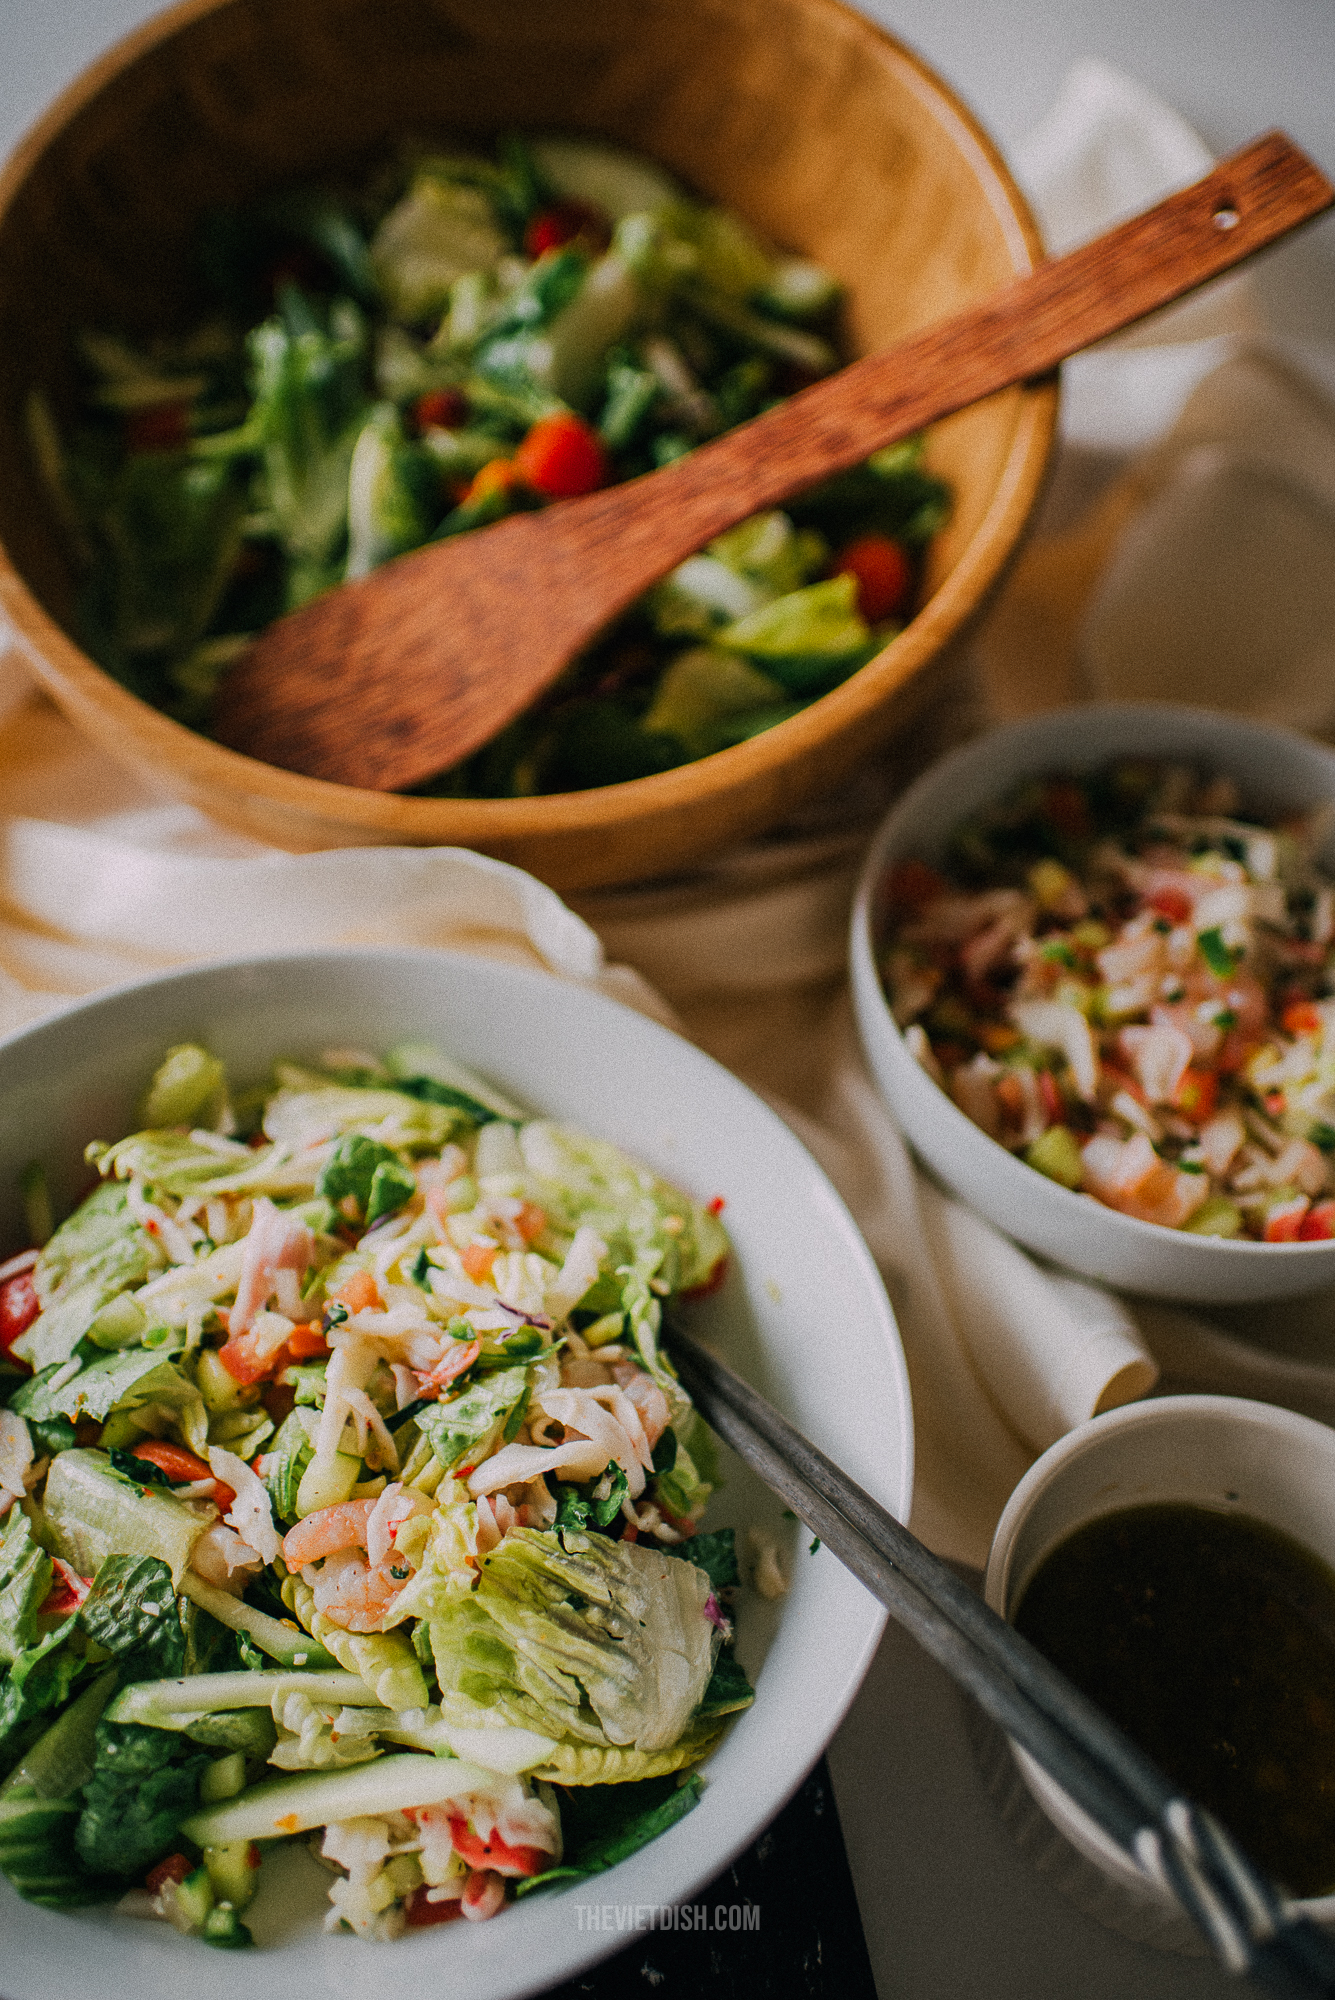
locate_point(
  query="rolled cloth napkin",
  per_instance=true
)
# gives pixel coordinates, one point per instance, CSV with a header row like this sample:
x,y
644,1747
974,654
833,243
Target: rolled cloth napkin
x,y
101,881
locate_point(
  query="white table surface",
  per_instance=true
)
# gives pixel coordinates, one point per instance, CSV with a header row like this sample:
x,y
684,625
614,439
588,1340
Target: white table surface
x,y
952,1909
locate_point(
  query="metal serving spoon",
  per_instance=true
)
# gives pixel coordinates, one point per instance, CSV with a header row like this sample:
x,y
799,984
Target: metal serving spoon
x,y
385,681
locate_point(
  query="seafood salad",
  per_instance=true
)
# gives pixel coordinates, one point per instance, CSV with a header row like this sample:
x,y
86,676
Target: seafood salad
x,y
346,1496
1130,983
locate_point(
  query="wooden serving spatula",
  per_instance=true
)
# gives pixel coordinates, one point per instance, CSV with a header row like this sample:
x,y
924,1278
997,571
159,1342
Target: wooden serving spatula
x,y
385,681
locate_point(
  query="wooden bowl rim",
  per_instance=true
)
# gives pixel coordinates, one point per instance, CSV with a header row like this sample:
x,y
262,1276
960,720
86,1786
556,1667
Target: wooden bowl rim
x,y
75,680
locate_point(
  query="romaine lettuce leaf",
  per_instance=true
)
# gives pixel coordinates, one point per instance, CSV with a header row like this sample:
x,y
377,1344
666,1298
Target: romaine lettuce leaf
x,y
40,1802
96,1253
580,1637
39,1681
144,1783
25,1579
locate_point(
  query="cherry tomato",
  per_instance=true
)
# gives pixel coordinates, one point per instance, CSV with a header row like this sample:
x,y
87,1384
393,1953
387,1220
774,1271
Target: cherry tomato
x,y
562,456
566,222
440,409
19,1307
883,573
495,1854
182,1466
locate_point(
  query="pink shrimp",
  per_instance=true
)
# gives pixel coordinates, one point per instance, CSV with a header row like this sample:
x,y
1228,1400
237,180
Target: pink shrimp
x,y
355,1594
326,1531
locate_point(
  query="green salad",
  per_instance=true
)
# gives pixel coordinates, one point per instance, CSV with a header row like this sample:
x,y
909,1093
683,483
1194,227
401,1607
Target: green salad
x,y
454,339
346,1496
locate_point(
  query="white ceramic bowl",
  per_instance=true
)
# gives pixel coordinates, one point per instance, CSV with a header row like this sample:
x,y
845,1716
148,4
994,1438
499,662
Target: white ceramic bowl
x,y
803,1314
1279,772
1220,1452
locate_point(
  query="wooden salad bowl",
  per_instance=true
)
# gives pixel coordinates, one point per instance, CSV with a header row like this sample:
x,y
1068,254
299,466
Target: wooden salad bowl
x,y
828,135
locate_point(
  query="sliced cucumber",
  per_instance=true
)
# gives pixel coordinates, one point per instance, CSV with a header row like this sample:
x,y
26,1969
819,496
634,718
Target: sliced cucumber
x,y
273,1636
153,1702
277,1807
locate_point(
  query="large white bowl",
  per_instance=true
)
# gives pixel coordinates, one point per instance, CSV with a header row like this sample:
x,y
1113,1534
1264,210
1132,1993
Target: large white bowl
x,y
1279,772
803,1315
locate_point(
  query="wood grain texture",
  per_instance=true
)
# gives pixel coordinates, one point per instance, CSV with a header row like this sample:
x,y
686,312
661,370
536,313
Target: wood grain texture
x,y
385,681
830,136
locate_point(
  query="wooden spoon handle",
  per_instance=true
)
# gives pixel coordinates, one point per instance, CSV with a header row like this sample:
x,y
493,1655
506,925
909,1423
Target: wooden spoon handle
x,y
1014,335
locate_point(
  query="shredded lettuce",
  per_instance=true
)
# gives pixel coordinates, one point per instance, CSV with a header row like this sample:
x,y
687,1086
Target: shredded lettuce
x,y
25,1579
99,1252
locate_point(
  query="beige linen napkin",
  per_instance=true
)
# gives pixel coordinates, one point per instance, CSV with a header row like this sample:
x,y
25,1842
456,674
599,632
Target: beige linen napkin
x,y
100,881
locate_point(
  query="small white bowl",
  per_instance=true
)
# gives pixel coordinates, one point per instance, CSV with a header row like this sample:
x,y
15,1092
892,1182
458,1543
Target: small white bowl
x,y
803,1314
1279,772
1220,1452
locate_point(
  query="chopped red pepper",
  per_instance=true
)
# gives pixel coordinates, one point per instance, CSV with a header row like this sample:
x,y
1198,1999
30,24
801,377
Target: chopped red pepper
x,y
305,1341
477,1259
1175,904
495,1853
358,1293
566,222
561,457
174,1869
716,1204
1196,1094
1300,1017
1284,1223
531,1221
883,573
182,1466
440,409
418,1913
498,475
1318,1225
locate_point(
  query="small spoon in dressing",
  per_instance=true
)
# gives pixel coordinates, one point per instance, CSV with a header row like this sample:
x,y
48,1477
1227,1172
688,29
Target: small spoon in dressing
x,y
384,682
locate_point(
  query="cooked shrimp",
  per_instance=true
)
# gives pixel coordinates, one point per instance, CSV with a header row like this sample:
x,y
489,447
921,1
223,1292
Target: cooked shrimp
x,y
648,1398
354,1593
326,1531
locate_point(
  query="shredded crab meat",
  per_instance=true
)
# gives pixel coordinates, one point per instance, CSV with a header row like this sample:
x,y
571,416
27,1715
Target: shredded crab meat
x,y
1159,1031
278,1251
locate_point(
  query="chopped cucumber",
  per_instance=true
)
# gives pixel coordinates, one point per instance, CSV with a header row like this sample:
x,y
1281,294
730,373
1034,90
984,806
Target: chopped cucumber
x,y
277,1807
223,1778
273,1636
154,1702
233,1866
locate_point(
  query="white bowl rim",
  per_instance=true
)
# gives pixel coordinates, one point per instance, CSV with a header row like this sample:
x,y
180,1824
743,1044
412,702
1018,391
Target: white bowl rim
x,y
695,1873
960,764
